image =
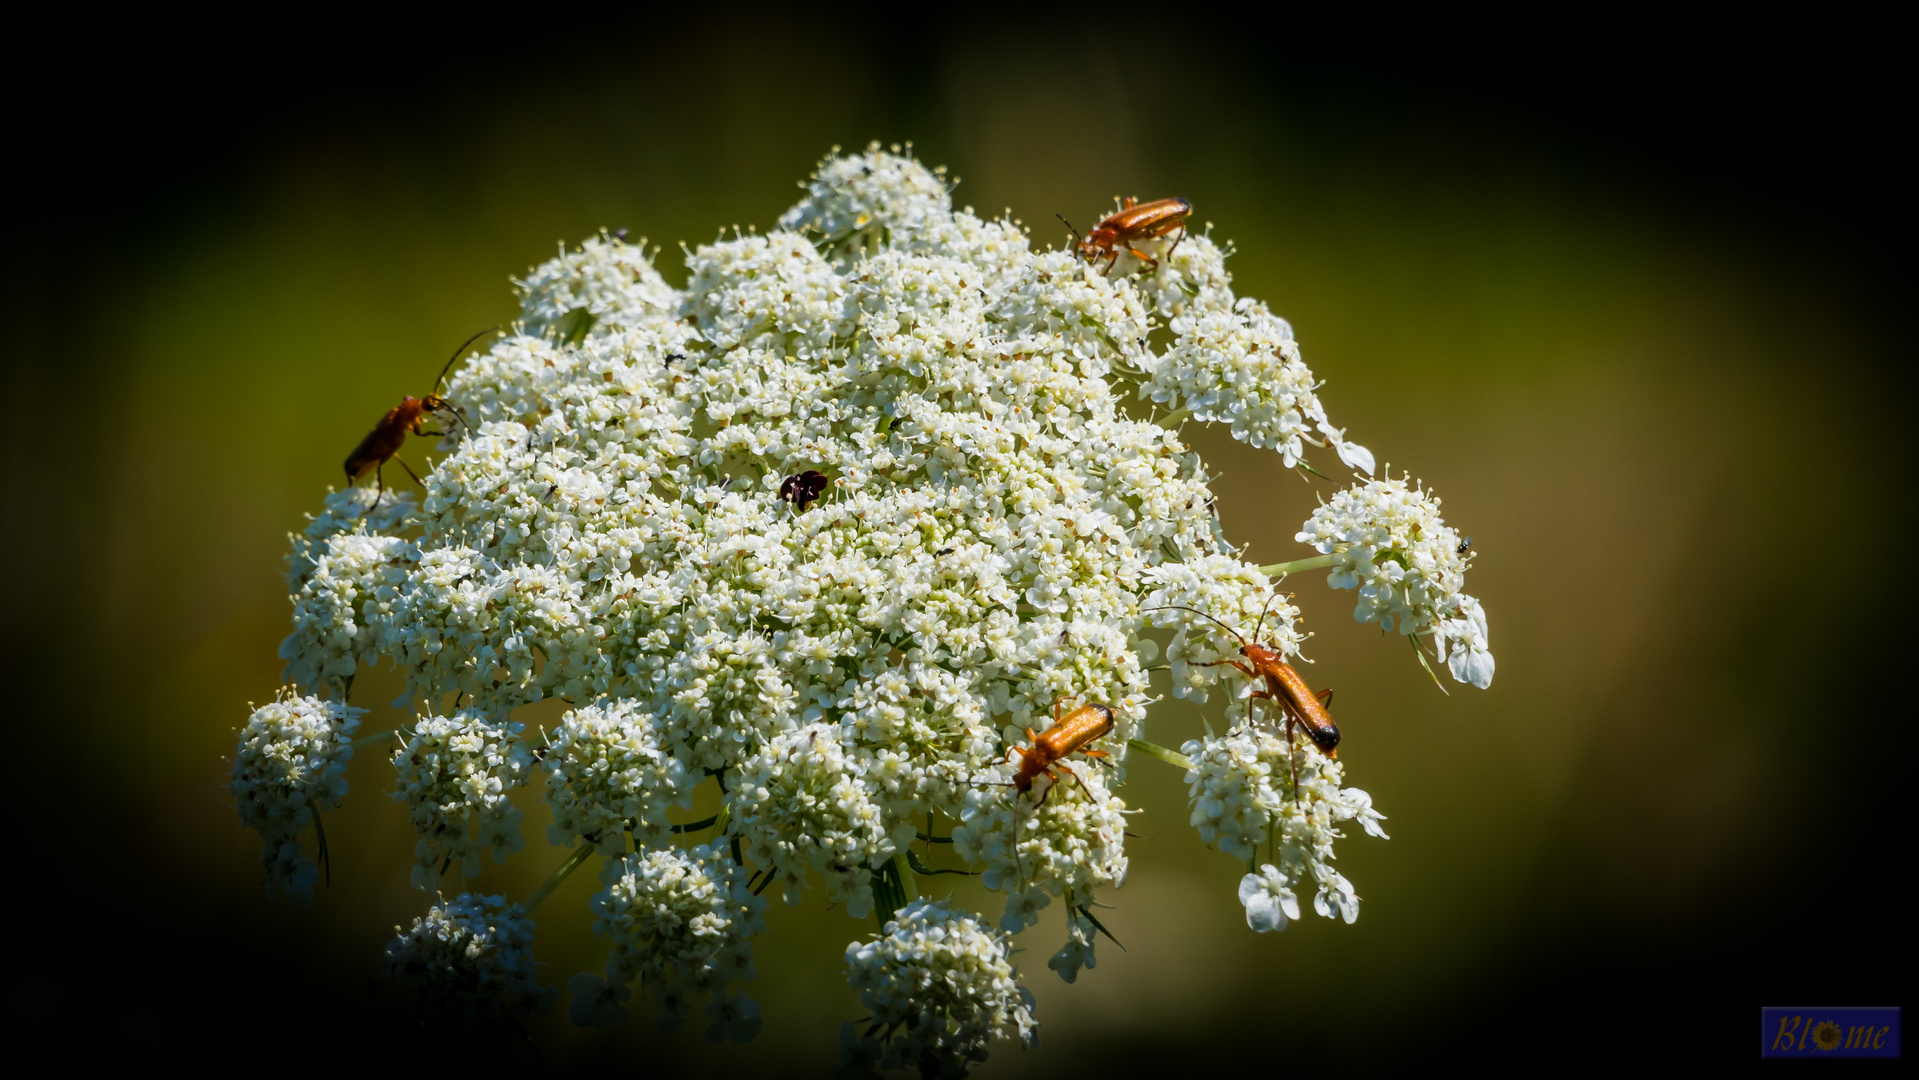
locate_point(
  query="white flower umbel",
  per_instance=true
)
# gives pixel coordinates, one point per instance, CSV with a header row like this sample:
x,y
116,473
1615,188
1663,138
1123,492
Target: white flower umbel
x,y
606,773
602,287
289,766
454,775
682,923
469,962
1064,838
1387,540
833,526
1234,362
803,803
1240,788
940,988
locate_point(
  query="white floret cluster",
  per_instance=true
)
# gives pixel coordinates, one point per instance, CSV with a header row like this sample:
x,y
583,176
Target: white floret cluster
x,y
1242,791
1388,541
1234,362
940,988
289,766
454,775
833,526
681,922
604,283
607,775
469,960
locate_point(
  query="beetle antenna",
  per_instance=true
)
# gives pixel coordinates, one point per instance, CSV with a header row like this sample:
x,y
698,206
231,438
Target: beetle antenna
x,y
1262,614
1201,614
456,356
1077,238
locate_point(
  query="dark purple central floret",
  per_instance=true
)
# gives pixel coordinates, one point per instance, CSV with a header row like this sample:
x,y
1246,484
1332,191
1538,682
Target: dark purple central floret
x,y
802,489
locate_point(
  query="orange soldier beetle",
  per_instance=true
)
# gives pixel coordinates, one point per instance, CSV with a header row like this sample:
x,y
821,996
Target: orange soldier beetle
x,y
1134,222
1284,687
1068,734
390,433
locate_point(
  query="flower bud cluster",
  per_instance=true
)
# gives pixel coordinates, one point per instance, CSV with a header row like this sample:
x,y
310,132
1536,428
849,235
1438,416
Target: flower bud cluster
x,y
469,962
1389,542
290,764
1241,790
454,775
682,923
940,988
606,774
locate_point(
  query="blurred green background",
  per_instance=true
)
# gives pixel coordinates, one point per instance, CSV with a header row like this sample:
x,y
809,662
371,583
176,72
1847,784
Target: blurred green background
x,y
1641,351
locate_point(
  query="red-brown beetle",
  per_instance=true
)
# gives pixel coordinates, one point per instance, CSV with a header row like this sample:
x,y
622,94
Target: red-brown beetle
x,y
1284,687
1068,734
1134,222
386,438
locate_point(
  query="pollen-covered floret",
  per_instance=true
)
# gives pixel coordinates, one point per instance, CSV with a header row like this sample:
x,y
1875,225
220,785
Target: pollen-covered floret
x,y
1389,542
940,988
1240,788
454,775
682,923
469,962
290,764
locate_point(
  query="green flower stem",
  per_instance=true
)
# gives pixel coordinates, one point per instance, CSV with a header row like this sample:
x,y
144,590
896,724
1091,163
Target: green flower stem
x,y
365,741
1172,420
1170,757
1317,562
909,885
571,864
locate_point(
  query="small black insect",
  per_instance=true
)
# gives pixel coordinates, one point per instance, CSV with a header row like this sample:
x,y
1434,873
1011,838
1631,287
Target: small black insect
x,y
670,357
944,551
802,489
1465,545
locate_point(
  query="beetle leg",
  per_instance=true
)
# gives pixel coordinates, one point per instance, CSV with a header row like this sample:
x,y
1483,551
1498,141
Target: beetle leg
x,y
1095,753
1291,761
1075,775
1325,698
1048,793
1056,702
1250,673
1182,236
409,470
379,487
1152,264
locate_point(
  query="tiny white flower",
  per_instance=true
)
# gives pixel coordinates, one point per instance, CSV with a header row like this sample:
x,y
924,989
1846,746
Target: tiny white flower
x,y
1268,899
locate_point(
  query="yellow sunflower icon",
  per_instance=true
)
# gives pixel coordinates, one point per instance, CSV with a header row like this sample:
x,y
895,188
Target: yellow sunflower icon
x,y
1826,1035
